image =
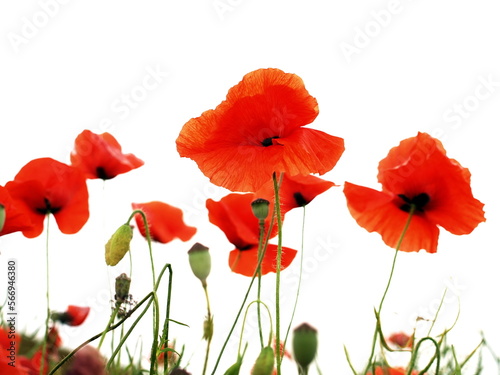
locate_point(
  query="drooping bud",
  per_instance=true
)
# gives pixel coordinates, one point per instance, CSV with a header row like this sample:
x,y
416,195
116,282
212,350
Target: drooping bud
x,y
118,245
264,365
2,216
260,208
305,345
122,288
200,262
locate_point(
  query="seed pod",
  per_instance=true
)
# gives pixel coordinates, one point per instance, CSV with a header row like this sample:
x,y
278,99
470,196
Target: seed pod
x,y
264,365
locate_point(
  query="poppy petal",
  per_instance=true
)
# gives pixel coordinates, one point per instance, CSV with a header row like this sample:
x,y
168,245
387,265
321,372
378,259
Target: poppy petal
x,y
16,214
165,222
377,212
245,262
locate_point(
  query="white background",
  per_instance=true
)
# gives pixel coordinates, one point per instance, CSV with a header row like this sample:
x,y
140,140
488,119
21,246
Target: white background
x,y
380,70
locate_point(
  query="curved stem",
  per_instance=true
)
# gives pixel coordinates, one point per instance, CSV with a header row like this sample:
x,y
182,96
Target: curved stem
x,y
95,337
148,238
398,245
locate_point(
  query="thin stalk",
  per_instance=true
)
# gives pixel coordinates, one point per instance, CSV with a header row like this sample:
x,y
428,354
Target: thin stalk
x,y
278,271
209,338
398,245
47,296
164,336
259,281
95,337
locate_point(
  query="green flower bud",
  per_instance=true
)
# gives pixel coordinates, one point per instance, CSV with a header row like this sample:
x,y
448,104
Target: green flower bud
x,y
304,345
235,369
260,208
264,365
2,216
122,287
118,245
200,262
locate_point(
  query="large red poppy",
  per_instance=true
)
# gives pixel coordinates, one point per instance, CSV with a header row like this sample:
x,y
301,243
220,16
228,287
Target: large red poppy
x,y
14,215
46,186
165,222
417,174
296,191
100,156
234,216
258,130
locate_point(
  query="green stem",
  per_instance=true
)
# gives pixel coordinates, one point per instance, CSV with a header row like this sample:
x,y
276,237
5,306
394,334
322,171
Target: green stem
x,y
209,338
164,336
398,245
300,278
148,238
278,272
241,308
110,322
65,359
47,296
259,280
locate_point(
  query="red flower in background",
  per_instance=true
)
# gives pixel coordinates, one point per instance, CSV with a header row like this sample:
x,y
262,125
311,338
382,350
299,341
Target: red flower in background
x,y
401,340
15,218
165,222
46,186
100,156
391,371
417,174
296,191
73,316
234,216
259,130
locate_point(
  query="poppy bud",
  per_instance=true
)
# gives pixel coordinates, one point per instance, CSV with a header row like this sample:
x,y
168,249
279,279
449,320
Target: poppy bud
x,y
305,344
264,365
122,287
118,245
234,369
2,216
200,262
260,208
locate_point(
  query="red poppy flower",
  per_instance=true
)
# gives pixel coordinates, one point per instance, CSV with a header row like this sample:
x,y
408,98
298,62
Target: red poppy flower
x,y
164,221
296,191
258,130
417,174
46,186
15,217
401,340
73,316
234,216
100,156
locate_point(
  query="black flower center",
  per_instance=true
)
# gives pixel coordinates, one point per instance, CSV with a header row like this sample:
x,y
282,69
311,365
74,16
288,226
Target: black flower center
x,y
268,141
299,199
101,173
48,209
419,201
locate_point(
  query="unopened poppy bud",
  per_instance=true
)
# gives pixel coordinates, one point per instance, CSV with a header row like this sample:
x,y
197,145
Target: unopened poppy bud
x,y
260,208
264,365
122,287
118,245
234,369
305,345
2,216
208,328
200,262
